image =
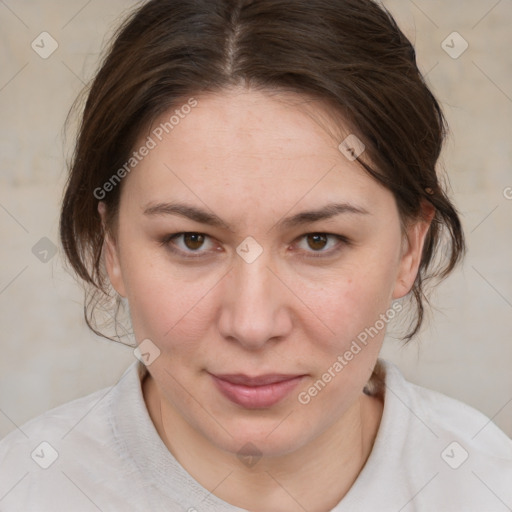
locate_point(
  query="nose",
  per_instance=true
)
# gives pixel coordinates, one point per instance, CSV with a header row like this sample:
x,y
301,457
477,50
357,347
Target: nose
x,y
256,305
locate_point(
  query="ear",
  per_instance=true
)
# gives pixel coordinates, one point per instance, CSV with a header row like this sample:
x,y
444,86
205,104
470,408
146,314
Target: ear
x,y
414,240
111,255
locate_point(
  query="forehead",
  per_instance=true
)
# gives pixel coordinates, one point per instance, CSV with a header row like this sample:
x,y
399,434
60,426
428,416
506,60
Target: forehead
x,y
253,143
237,120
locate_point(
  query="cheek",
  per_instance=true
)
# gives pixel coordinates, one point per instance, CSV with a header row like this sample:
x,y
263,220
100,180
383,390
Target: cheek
x,y
166,303
352,300
358,310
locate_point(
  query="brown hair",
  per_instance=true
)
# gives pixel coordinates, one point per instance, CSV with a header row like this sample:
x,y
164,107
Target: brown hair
x,y
349,53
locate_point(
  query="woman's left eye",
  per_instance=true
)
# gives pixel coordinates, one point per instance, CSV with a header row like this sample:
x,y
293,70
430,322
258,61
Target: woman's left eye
x,y
189,244
319,241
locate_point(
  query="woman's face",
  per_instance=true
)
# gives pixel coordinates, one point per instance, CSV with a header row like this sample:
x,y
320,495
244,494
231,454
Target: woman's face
x,y
258,287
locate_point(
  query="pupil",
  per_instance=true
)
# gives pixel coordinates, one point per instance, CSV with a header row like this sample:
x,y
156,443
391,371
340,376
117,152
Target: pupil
x,y
317,239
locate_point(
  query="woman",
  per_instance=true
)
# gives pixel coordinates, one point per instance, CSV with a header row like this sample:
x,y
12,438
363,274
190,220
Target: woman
x,y
257,182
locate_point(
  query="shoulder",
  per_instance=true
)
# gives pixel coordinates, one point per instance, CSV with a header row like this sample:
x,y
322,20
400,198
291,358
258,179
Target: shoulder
x,y
451,448
56,422
460,421
51,452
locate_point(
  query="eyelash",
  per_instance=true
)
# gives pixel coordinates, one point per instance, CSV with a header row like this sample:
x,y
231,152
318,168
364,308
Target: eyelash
x,y
166,242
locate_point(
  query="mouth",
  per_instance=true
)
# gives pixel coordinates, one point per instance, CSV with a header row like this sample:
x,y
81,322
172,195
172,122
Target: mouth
x,y
257,392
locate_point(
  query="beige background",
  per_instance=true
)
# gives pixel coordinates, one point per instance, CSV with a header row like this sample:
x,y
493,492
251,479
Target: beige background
x,y
47,354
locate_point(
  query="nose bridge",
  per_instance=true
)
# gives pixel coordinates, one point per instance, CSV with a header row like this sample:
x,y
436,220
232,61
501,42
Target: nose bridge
x,y
252,282
254,311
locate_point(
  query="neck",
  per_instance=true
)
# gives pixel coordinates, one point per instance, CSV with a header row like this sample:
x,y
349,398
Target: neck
x,y
329,464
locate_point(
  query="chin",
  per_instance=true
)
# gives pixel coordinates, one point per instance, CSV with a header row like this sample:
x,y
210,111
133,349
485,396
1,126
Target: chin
x,y
270,437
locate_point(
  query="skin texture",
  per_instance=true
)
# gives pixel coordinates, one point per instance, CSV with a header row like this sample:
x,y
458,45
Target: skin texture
x,y
254,158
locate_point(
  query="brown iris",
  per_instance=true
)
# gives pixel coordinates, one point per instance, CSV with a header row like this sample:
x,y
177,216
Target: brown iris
x,y
193,241
319,241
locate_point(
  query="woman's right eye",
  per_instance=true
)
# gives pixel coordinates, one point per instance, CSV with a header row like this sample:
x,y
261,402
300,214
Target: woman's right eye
x,y
187,244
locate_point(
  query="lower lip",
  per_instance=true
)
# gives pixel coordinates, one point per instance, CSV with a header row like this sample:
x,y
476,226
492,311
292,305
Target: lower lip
x,y
256,397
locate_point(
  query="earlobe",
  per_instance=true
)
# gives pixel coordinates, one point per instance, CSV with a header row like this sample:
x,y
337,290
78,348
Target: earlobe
x,y
113,266
111,256
412,253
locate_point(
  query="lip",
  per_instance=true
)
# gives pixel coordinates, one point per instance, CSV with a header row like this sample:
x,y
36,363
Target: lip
x,y
256,392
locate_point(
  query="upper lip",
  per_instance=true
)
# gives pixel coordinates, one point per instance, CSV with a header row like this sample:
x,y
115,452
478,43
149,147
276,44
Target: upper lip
x,y
260,380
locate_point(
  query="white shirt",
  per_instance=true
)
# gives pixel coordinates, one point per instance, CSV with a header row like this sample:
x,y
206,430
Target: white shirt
x,y
102,452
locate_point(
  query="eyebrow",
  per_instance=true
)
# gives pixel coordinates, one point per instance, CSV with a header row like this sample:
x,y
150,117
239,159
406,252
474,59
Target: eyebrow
x,y
203,217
